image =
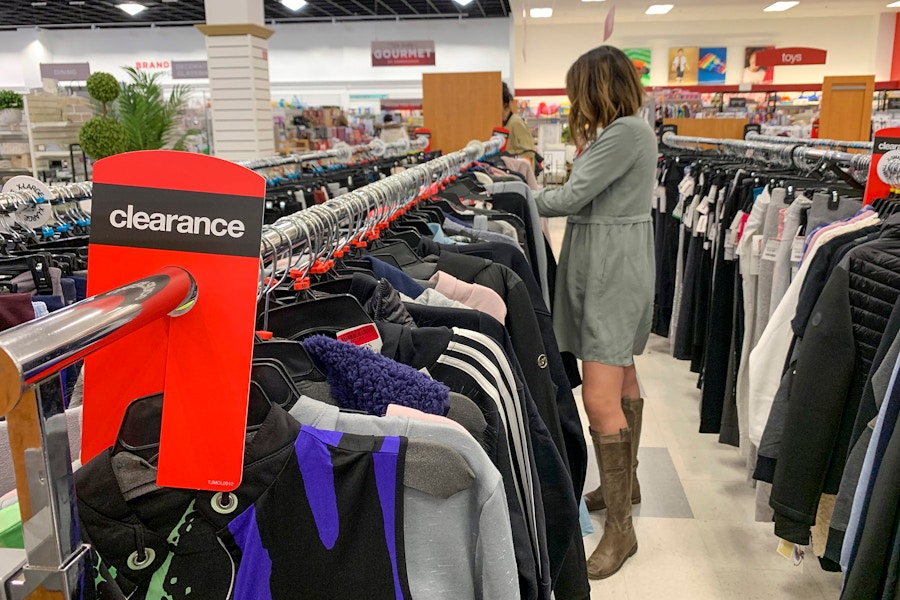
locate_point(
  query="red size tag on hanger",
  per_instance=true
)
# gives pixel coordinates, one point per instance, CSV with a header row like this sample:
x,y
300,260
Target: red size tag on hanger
x,y
159,208
887,141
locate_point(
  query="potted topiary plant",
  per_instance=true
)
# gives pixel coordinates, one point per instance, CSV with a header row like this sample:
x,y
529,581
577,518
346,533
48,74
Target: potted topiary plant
x,y
103,136
10,107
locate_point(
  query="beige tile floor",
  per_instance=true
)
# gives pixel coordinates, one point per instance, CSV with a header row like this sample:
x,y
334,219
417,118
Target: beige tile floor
x,y
720,553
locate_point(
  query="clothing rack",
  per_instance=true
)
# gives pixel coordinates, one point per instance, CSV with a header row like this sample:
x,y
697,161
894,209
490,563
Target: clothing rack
x,y
341,152
777,139
366,211
34,353
799,155
11,201
32,401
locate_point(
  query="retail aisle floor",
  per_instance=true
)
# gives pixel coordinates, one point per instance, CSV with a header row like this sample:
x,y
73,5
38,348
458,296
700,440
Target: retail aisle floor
x,y
697,538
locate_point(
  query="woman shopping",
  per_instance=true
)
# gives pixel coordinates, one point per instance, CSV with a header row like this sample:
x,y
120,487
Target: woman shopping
x,y
605,281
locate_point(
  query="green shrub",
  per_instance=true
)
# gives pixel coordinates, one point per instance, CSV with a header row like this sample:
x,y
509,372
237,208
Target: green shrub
x,y
102,87
10,99
101,137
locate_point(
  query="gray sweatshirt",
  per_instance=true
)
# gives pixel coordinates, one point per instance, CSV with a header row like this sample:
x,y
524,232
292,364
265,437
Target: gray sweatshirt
x,y
458,547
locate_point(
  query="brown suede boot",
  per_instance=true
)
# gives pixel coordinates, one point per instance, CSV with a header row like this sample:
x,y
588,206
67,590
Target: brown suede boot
x,y
634,410
619,541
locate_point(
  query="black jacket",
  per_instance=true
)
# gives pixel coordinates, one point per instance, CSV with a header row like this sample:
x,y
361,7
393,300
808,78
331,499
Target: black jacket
x,y
833,363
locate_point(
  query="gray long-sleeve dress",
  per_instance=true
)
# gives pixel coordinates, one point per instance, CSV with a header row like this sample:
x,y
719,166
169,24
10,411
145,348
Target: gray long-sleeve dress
x,y
605,281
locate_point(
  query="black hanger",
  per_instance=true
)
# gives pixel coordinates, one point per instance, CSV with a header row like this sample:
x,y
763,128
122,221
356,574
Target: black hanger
x,y
292,356
140,428
322,315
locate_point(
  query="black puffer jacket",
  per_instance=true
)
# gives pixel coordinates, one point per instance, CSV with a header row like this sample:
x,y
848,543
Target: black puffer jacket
x,y
833,363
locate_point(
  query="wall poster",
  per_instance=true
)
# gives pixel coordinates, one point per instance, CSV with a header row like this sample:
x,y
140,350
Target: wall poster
x,y
683,61
641,58
712,66
754,73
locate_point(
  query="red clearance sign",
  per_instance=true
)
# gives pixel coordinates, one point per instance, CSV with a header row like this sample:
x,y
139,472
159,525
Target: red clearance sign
x,y
162,208
776,57
402,54
887,143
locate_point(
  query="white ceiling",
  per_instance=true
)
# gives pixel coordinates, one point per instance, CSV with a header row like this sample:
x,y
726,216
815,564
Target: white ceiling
x,y
576,11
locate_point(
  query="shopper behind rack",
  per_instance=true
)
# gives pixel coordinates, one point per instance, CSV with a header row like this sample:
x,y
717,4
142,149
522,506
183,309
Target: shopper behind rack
x,y
392,131
606,277
521,142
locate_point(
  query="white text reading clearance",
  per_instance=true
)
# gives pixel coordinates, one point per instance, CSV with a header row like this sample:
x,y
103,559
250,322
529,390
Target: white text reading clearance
x,y
128,219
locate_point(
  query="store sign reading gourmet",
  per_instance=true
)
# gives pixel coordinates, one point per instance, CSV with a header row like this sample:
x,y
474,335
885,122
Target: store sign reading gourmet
x,y
402,54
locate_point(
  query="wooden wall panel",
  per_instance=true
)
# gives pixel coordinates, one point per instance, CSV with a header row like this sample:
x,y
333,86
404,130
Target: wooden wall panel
x,y
846,112
461,107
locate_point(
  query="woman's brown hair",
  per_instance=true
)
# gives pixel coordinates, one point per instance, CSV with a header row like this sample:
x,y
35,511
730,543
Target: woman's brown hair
x,y
603,85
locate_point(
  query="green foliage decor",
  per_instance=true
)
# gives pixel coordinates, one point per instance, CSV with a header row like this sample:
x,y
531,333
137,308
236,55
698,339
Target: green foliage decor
x,y
103,88
148,116
143,118
102,136
10,99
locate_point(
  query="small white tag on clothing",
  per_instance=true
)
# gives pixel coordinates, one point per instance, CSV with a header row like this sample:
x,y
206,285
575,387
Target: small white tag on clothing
x,y
755,253
770,251
797,249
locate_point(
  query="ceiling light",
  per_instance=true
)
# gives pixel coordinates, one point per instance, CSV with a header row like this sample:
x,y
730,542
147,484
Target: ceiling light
x,y
133,8
593,0
39,4
76,2
294,5
541,13
463,2
780,6
894,5
659,9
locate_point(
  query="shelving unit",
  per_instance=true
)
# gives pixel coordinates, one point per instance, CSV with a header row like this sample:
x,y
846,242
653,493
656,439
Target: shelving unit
x,y
14,155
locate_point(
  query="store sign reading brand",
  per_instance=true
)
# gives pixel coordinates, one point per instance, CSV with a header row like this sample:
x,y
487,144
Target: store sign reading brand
x,y
151,65
190,69
66,71
403,54
776,57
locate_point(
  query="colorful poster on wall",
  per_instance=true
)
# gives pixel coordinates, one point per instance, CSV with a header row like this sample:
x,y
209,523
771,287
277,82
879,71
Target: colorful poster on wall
x,y
683,65
754,73
641,58
712,66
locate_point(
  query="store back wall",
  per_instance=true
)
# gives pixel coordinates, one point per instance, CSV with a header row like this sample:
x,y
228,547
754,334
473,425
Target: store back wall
x,y
334,57
856,45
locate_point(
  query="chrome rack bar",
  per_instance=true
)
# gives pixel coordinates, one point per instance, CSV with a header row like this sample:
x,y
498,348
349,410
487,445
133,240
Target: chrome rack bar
x,y
776,139
367,206
11,201
344,153
31,399
797,155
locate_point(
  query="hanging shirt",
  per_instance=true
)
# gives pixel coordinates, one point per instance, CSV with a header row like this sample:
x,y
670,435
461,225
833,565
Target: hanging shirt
x,y
318,514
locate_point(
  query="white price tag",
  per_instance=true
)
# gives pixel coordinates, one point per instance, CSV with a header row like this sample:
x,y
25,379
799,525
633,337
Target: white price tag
x,y
797,249
755,252
729,244
703,207
770,250
700,229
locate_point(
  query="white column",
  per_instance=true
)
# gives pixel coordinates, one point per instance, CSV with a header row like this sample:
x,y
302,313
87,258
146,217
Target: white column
x,y
237,50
